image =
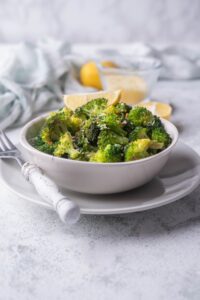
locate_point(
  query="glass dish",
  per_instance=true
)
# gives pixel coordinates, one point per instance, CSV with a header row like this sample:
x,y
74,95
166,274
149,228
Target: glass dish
x,y
135,77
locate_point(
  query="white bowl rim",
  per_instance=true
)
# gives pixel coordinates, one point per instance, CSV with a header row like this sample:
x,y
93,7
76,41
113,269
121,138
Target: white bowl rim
x,y
24,142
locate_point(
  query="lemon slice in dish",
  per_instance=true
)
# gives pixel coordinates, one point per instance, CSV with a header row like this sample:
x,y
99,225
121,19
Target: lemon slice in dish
x,y
74,101
89,73
133,88
160,109
108,64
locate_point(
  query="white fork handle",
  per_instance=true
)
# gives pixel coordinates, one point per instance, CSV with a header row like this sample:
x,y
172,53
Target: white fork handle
x,y
68,211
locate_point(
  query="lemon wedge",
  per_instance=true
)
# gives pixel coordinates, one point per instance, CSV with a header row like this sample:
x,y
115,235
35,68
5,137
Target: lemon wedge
x,y
160,109
74,101
89,75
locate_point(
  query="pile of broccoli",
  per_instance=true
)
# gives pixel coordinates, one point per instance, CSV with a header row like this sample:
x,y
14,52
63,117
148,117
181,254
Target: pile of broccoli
x,y
97,132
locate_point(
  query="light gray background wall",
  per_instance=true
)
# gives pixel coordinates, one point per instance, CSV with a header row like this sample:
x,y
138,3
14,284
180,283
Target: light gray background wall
x,y
101,20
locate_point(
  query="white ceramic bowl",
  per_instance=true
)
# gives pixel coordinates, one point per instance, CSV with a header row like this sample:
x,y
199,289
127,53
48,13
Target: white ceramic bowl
x,y
90,177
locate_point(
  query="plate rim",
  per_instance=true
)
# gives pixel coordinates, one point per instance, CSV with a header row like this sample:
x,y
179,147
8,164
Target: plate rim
x,y
113,211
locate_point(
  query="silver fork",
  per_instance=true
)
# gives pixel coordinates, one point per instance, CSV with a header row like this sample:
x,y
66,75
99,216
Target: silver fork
x,y
68,211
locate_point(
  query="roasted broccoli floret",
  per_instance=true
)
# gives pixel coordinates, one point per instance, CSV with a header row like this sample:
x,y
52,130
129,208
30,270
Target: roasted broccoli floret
x,y
111,109
137,149
120,109
156,123
92,108
123,108
111,121
58,123
49,136
161,136
65,147
139,133
82,142
74,124
127,126
109,137
38,143
140,116
111,153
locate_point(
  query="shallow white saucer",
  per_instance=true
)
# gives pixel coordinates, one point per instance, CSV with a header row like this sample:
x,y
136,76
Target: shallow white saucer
x,y
180,176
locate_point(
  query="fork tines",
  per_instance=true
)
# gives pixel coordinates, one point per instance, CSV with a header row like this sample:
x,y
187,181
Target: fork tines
x,y
5,143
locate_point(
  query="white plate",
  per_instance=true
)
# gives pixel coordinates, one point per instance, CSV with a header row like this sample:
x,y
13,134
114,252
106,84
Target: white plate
x,y
180,176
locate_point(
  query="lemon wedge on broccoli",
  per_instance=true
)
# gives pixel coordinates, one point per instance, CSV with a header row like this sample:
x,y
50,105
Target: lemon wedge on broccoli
x,y
162,110
73,101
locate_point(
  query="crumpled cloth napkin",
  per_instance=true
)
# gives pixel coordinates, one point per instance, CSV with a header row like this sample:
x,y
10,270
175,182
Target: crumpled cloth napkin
x,y
30,78
33,77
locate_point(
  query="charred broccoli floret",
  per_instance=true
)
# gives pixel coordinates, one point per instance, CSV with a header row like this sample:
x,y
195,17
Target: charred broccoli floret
x,y
140,116
109,137
127,126
92,133
92,108
111,153
65,147
156,123
161,136
86,139
137,149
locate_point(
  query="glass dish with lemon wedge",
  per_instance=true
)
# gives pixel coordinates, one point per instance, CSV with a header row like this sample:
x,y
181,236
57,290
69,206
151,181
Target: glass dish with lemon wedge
x,y
135,77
